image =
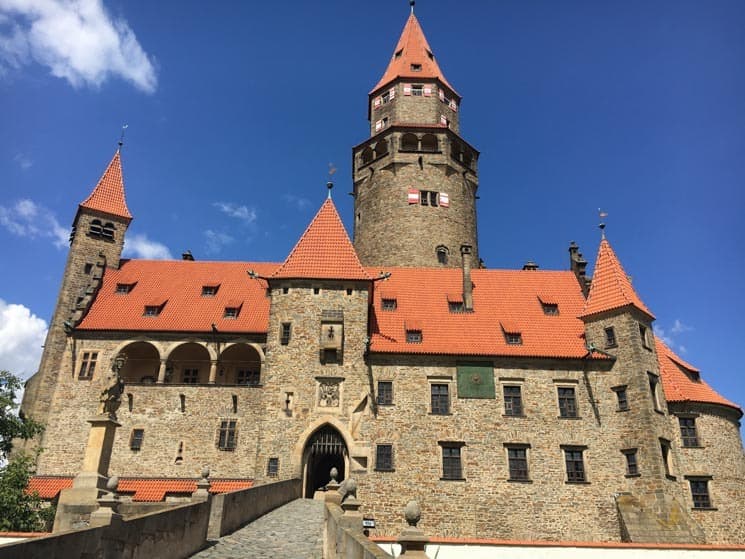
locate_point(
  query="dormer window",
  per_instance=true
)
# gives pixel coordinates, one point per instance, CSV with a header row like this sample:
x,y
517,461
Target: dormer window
x,y
153,310
431,56
513,338
416,67
398,53
231,312
210,290
413,336
455,303
388,304
124,288
550,308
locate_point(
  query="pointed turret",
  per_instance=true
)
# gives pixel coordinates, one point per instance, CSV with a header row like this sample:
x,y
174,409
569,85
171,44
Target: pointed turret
x,y
108,195
412,58
324,251
611,288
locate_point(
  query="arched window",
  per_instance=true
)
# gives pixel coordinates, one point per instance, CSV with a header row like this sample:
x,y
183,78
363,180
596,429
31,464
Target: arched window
x,y
429,142
367,155
381,148
442,254
96,228
107,231
409,142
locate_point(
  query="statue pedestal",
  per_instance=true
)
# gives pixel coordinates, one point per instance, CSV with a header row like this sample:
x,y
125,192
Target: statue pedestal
x,y
78,502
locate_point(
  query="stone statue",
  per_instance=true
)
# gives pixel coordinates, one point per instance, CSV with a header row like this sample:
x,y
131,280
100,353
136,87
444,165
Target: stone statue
x,y
111,396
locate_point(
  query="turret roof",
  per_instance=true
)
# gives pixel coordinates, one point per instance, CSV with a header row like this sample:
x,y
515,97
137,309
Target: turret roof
x,y
108,195
324,251
611,288
412,50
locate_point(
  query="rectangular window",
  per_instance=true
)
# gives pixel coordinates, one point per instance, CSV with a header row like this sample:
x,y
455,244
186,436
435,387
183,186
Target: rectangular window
x,y
417,90
209,290
665,453
330,356
513,338
272,467
88,364
388,304
440,399
550,308
385,393
226,436
245,376
610,337
567,402
451,464
124,288
191,376
688,431
152,310
517,460
632,465
700,493
622,397
384,457
429,198
135,439
644,335
386,97
456,306
513,401
575,465
231,312
285,331
413,336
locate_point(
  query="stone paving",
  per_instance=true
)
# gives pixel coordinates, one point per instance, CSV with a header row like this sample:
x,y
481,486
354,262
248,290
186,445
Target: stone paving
x,y
292,531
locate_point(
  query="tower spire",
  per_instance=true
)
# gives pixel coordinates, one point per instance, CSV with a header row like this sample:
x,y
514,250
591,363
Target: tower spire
x,y
108,194
411,3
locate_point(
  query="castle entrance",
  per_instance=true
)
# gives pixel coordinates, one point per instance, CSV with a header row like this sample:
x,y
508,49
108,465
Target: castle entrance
x,y
324,450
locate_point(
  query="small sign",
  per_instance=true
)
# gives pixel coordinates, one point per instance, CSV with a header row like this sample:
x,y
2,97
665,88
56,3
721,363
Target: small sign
x,y
368,523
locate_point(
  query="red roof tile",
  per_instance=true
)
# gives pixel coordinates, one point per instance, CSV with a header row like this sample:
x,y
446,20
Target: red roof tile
x,y
611,287
499,297
682,382
324,251
413,49
142,489
108,195
179,284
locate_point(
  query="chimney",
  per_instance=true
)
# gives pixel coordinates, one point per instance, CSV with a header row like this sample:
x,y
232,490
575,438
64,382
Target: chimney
x,y
577,264
530,265
187,256
465,252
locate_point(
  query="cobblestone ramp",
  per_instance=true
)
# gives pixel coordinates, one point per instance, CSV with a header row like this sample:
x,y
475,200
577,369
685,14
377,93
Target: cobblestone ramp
x,y
292,531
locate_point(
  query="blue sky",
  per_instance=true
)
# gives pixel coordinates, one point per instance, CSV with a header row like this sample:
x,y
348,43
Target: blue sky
x,y
236,109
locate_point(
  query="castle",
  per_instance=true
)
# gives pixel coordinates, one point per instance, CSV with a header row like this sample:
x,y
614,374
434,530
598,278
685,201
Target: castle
x,y
514,404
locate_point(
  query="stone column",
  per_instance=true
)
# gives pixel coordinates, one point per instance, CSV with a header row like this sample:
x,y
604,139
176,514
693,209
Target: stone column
x,y
352,517
108,511
332,488
213,372
202,492
162,371
412,540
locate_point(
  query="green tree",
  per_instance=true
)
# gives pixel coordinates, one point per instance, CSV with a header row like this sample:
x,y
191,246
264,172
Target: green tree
x,y
19,510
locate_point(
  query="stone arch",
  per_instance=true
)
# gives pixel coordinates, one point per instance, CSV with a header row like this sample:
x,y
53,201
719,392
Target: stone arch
x,y
240,363
409,142
324,447
429,143
142,364
189,363
367,155
381,148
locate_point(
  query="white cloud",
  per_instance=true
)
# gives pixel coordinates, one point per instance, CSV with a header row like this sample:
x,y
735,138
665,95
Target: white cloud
x,y
215,241
77,40
671,335
244,213
28,219
298,201
23,160
21,336
679,327
139,246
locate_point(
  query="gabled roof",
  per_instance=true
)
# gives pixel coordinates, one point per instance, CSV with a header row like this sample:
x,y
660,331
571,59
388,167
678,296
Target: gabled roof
x,y
108,195
179,284
611,288
500,297
682,382
412,48
324,251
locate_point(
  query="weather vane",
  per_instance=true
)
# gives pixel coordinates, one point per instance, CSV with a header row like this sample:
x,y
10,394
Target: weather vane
x,y
411,3
330,183
121,138
602,215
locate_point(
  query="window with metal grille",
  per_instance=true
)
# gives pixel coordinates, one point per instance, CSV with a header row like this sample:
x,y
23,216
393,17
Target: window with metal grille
x,y
688,431
136,438
272,467
385,393
622,397
575,465
191,376
700,493
513,400
632,465
610,337
567,402
517,459
388,304
226,435
88,364
285,331
384,457
451,463
246,376
440,399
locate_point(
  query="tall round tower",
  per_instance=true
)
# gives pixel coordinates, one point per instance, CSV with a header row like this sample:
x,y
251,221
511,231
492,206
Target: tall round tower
x,y
415,178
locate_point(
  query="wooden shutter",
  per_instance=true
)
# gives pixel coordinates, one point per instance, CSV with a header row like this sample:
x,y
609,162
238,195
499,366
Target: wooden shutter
x,y
428,92
392,92
377,102
444,200
443,120
378,125
413,196
407,89
442,95
453,105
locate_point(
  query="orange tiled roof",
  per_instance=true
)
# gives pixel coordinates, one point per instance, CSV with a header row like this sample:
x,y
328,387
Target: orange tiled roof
x,y
414,49
142,489
324,251
108,196
682,382
500,297
611,287
179,284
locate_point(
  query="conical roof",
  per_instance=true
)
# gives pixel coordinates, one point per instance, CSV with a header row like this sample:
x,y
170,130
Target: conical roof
x,y
611,287
108,195
412,51
324,251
